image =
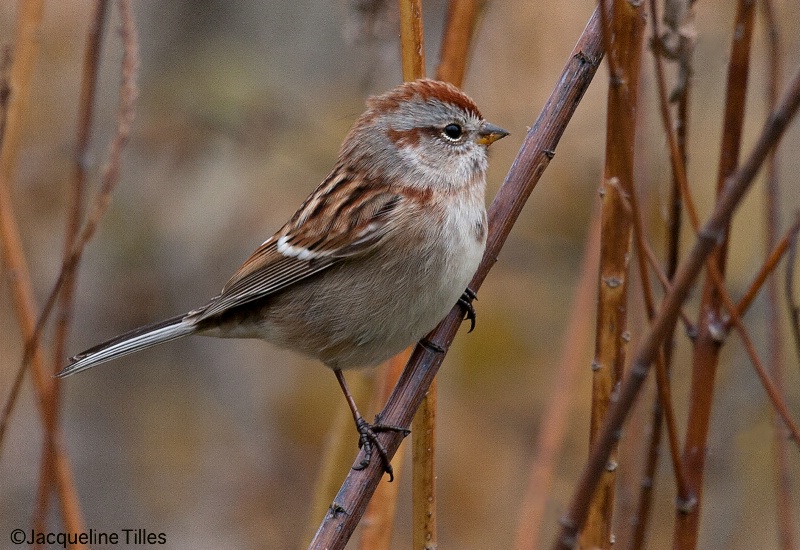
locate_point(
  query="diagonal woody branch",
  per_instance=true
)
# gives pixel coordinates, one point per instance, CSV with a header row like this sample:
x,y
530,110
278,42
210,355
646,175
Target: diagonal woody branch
x,y
533,158
708,237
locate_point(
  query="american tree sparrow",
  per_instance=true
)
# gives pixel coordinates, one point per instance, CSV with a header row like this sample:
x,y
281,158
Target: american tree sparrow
x,y
374,258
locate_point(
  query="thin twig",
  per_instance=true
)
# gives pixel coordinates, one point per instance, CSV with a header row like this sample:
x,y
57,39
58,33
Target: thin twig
x,y
716,282
686,275
715,273
784,508
662,377
769,265
666,285
89,79
32,354
108,180
679,18
16,265
29,17
533,158
791,303
554,424
707,348
773,392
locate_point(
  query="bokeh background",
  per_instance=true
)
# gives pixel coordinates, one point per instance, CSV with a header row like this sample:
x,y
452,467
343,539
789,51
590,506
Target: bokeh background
x,y
243,105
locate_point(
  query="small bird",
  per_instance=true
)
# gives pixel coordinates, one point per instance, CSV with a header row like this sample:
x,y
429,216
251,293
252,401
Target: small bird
x,y
373,259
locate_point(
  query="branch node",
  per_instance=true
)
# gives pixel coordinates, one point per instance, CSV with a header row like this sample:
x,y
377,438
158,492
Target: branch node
x,y
584,58
718,330
336,509
686,505
567,522
716,236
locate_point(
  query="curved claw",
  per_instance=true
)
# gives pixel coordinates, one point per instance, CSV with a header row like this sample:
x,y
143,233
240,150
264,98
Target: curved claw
x,y
466,303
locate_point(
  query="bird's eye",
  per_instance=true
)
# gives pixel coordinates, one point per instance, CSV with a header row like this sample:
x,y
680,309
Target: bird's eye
x,y
453,131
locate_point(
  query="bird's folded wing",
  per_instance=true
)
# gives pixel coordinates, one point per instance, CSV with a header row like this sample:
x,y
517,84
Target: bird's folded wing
x,y
305,246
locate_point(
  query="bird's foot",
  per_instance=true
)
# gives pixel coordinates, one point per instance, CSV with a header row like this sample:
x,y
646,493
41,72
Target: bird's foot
x,y
466,303
368,440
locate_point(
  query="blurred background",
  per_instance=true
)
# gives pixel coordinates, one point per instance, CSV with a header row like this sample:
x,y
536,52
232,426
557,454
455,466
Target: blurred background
x,y
242,108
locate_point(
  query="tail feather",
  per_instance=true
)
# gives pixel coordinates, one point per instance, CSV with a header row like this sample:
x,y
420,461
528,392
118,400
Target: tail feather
x,y
130,342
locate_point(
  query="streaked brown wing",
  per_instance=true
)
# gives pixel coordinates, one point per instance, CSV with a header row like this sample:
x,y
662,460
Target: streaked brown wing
x,y
315,239
265,272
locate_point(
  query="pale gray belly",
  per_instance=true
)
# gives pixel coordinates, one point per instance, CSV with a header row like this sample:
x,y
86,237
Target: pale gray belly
x,y
360,313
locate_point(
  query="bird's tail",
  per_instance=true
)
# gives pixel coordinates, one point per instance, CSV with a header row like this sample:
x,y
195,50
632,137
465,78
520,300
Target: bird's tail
x,y
130,342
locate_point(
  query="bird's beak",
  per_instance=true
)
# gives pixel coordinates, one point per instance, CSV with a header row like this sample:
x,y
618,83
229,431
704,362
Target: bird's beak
x,y
489,133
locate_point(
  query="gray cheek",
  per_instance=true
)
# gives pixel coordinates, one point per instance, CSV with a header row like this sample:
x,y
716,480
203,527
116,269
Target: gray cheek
x,y
479,160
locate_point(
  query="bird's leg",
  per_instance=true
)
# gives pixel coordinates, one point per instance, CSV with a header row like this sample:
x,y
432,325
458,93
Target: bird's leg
x,y
368,438
466,303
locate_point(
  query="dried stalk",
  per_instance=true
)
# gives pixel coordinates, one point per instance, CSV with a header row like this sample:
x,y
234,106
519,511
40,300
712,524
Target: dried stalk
x,y
19,80
666,284
785,510
412,43
677,14
16,86
337,452
108,180
707,345
535,155
679,43
458,33
769,265
715,277
462,19
379,518
733,311
709,235
423,485
624,37
423,430
791,303
89,78
772,390
554,424
26,50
